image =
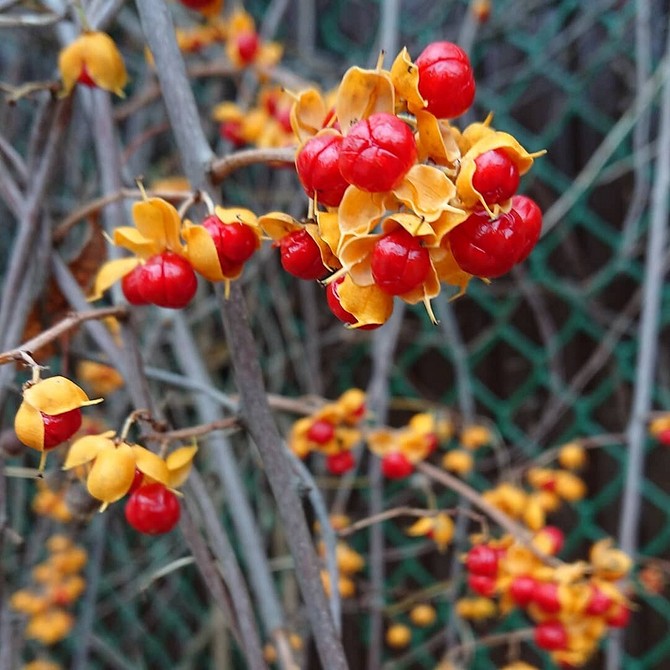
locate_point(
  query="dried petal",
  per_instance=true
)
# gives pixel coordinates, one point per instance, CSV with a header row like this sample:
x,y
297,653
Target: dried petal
x,y
179,464
109,273
56,395
436,140
405,78
150,464
86,449
368,304
362,93
158,220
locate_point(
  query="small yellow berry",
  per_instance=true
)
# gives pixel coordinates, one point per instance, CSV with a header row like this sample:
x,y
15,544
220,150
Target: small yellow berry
x,y
458,461
423,615
572,456
398,636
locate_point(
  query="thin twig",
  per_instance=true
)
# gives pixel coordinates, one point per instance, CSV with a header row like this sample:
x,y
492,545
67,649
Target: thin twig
x,y
220,168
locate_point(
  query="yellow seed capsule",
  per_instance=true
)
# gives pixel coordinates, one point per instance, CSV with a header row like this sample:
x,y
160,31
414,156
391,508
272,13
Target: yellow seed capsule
x,y
475,436
569,486
572,456
50,626
112,474
27,602
423,615
92,59
179,464
458,461
398,636
349,561
533,515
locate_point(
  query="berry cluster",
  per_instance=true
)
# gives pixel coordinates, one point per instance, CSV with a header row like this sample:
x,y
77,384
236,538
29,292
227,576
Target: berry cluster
x,y
401,200
113,468
57,586
572,605
332,431
169,252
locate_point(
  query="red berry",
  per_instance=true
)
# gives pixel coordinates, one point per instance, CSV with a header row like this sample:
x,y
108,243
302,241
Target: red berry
x,y
446,80
195,4
483,585
546,597
318,169
321,431
531,216
167,280
232,131
664,437
551,635
598,603
85,78
283,118
396,466
485,247
137,481
235,242
60,427
399,262
496,176
131,287
153,509
521,590
300,255
247,46
338,464
482,560
377,152
619,617
333,300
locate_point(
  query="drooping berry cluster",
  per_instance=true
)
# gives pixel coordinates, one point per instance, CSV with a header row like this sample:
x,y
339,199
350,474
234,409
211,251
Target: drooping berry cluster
x,y
332,431
401,200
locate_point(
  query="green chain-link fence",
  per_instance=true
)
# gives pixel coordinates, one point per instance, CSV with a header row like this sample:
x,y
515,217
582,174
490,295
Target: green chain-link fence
x,y
549,352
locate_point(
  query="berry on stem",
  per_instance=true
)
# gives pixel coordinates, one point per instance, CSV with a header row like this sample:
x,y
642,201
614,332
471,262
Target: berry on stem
x,y
300,255
377,152
248,44
496,176
487,247
321,431
167,280
395,465
482,560
531,216
551,635
546,597
399,262
446,80
153,509
318,169
483,585
522,589
338,464
131,287
235,242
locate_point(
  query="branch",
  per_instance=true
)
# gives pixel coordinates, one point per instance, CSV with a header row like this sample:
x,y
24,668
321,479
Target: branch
x,y
67,324
220,168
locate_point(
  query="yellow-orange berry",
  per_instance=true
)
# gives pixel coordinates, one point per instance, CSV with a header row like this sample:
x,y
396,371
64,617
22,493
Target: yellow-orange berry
x,y
398,636
423,615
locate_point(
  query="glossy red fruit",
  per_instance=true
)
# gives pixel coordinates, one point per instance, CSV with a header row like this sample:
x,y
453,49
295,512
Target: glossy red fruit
x,y
333,300
131,287
300,255
496,176
167,280
521,590
551,635
321,431
483,585
232,131
153,509
247,46
531,215
396,466
598,603
446,80
60,427
482,560
338,464
619,617
318,169
377,152
235,242
546,597
195,4
399,263
664,437
485,247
